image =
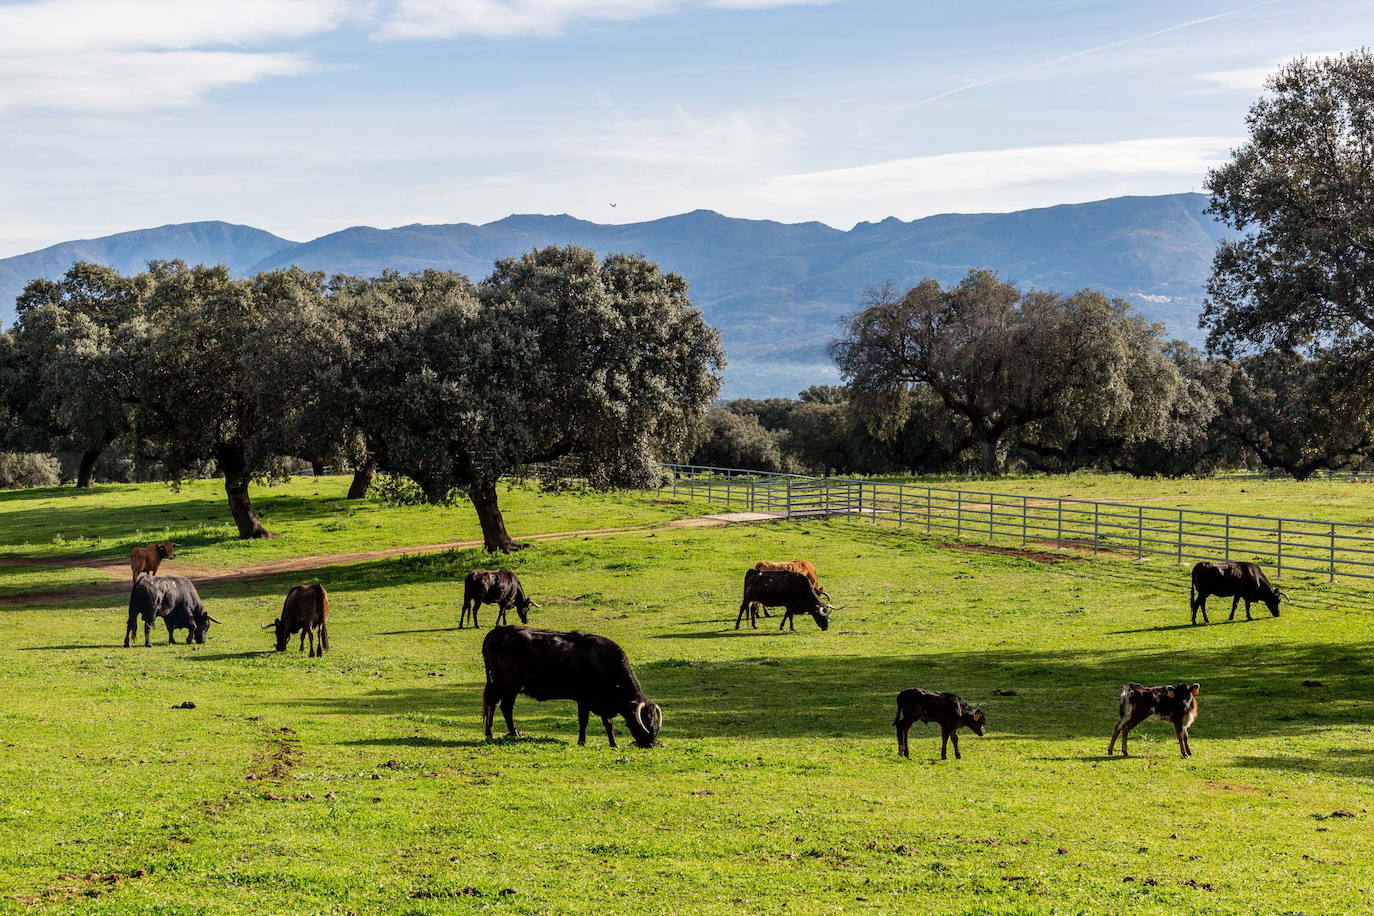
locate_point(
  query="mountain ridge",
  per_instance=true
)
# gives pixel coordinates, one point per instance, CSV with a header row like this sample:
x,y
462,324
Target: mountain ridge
x,y
775,289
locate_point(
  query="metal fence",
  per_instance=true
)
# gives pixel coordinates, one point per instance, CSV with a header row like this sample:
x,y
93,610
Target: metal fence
x,y
1286,545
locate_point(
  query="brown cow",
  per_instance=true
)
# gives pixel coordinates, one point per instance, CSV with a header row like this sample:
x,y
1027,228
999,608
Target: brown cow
x,y
148,559
797,566
306,611
1175,704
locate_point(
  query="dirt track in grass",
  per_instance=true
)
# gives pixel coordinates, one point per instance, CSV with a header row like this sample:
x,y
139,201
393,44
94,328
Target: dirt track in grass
x,y
117,568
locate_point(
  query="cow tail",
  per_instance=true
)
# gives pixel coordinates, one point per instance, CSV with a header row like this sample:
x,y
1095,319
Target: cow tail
x,y
1192,595
324,616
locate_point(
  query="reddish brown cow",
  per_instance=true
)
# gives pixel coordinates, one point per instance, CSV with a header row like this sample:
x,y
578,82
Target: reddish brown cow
x,y
797,566
148,559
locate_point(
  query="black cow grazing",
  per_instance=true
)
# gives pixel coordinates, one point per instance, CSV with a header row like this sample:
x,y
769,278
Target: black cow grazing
x,y
305,611
946,709
547,665
1176,704
175,600
791,591
500,587
1233,579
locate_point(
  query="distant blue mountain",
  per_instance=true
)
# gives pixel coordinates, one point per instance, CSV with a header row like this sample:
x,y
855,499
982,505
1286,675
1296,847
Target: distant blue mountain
x,y
774,289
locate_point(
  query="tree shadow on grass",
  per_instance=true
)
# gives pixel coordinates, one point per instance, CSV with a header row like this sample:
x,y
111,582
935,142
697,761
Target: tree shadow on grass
x,y
1061,694
423,741
1352,761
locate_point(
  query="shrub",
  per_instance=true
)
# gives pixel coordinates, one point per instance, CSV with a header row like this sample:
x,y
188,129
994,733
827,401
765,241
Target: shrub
x,y
28,469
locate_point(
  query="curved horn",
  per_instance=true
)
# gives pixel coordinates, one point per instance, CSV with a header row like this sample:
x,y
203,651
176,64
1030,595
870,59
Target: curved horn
x,y
213,620
265,626
833,607
532,603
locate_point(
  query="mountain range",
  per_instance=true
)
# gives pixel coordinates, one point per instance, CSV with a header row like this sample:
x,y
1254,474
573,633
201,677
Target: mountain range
x,y
774,289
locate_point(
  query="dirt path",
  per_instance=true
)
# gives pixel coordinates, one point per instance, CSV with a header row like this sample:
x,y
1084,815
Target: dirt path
x,y
118,569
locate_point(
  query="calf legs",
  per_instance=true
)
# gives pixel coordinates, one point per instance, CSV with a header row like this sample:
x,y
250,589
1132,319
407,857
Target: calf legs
x,y
903,730
469,607
946,736
1129,720
1185,748
747,607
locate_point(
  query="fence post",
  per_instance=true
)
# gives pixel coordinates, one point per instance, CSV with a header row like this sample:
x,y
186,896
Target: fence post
x,y
959,514
1228,537
992,508
1097,511
1025,506
927,510
1331,565
1140,532
1280,540
901,504
1059,526
1180,537
789,497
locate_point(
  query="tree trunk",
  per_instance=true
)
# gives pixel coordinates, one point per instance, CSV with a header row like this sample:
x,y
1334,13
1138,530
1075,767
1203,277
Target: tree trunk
x,y
317,467
236,479
494,536
85,475
989,461
362,479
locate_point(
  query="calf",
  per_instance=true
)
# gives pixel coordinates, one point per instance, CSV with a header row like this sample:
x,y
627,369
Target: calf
x,y
791,591
952,714
305,611
546,665
148,559
175,600
1176,704
499,587
1233,579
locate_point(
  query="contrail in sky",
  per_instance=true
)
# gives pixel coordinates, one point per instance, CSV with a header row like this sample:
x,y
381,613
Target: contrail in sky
x,y
1059,60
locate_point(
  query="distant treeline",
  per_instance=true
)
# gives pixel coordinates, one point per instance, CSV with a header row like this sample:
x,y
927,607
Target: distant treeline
x,y
980,377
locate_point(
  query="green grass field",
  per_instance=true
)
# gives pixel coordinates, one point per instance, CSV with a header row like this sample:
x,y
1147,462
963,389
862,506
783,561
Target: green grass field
x,y
359,783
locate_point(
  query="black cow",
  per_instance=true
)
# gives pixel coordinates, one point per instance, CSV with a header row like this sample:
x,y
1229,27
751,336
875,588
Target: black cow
x,y
175,600
305,611
791,591
1175,704
500,587
546,665
946,709
1233,579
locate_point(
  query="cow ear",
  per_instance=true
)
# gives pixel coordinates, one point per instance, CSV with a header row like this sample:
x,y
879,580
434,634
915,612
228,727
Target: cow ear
x,y
1169,692
1196,688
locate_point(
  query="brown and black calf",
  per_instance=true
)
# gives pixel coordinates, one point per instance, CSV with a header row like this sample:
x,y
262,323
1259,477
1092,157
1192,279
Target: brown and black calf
x,y
148,559
946,709
1176,704
305,611
1234,579
500,587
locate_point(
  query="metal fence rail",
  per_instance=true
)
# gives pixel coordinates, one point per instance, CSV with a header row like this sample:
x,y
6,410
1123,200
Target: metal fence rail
x,y
1286,545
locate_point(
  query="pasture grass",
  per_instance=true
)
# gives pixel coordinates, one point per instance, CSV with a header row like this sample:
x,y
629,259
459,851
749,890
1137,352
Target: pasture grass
x,y
360,783
309,515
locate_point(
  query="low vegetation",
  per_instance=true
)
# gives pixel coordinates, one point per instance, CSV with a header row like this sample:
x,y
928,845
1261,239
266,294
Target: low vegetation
x,y
359,781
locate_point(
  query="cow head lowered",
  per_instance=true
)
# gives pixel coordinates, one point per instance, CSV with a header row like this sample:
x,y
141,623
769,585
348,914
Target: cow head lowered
x,y
644,719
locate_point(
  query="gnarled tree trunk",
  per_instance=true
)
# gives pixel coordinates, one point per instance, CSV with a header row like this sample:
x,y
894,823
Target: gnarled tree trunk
x,y
317,467
85,475
494,536
362,479
236,479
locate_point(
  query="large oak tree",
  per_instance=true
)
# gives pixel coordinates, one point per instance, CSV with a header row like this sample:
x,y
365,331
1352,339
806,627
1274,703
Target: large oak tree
x,y
604,366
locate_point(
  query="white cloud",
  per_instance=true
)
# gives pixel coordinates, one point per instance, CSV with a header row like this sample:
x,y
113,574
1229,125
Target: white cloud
x,y
724,141
124,81
1252,79
62,26
128,55
506,18
900,185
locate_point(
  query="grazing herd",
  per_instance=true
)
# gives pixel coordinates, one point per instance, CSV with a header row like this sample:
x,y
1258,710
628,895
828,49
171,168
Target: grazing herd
x,y
594,672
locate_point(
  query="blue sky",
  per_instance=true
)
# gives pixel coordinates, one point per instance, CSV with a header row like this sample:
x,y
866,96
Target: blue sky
x,y
306,116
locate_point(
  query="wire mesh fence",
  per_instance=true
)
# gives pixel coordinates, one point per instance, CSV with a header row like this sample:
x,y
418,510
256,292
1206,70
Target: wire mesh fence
x,y
1331,550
